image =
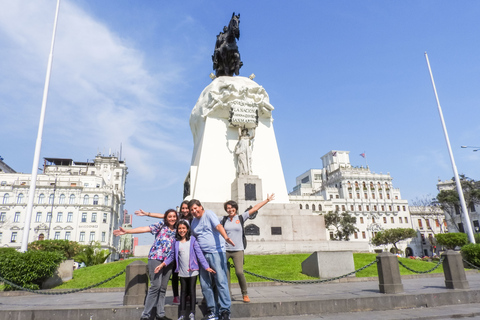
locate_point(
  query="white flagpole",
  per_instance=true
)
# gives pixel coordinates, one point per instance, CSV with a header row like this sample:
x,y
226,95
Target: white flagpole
x,y
38,145
466,217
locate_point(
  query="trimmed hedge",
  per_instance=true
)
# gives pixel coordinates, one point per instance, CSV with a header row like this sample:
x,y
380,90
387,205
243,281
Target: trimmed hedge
x,y
471,253
452,240
68,248
28,269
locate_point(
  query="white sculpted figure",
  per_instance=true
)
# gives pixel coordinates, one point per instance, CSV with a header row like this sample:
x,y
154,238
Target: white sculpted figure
x,y
244,151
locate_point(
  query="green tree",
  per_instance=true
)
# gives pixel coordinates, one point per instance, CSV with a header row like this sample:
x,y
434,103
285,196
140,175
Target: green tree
x,y
344,224
450,201
393,236
92,254
452,240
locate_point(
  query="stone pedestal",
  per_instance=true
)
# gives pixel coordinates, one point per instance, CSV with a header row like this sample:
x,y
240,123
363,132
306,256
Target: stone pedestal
x,y
247,188
453,270
63,273
325,265
136,283
389,273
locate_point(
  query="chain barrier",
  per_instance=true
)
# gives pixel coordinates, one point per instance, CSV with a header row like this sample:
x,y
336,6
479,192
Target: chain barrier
x,y
428,271
308,281
63,292
470,264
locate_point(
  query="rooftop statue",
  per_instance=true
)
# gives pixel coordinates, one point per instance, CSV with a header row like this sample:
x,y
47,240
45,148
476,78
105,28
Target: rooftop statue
x,y
226,58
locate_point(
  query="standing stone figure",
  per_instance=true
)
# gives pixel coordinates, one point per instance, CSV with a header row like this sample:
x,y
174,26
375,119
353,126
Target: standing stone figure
x,y
244,151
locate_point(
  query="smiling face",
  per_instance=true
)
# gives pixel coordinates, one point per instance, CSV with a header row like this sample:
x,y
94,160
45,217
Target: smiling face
x,y
171,219
231,211
197,211
184,211
182,230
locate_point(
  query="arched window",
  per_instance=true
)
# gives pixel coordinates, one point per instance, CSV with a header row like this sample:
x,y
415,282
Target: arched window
x,y
356,184
95,199
5,198
319,207
72,199
371,185
86,199
306,206
349,184
50,198
313,207
20,198
62,199
41,198
301,207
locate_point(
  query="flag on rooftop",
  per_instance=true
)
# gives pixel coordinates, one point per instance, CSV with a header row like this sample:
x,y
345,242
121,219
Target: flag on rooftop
x,y
362,155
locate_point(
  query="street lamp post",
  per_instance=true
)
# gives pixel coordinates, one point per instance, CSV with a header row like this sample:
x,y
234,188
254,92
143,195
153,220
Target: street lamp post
x,y
476,148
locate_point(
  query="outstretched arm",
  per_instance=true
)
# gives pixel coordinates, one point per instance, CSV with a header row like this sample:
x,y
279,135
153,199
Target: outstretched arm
x,y
261,204
221,229
121,231
149,214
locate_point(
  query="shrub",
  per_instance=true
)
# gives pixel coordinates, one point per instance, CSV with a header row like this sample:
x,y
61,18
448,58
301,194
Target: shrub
x,y
471,253
28,269
92,254
452,240
68,248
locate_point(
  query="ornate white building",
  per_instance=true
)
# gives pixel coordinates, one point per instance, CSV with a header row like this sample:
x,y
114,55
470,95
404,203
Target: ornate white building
x,y
428,221
79,201
368,196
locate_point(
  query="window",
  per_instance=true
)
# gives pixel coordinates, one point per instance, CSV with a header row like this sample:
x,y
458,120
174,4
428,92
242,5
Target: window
x,y
104,234
420,225
472,207
373,220
313,207
49,217
343,207
384,219
38,217
350,196
373,195
427,223
104,218
389,208
365,195
92,236
67,235
59,216
72,199
358,195
337,196
331,196
406,220
20,198
398,208
301,206
337,208
392,219
106,200
94,217
383,208
51,198
361,219
82,236
70,217
306,206
396,197
352,207
374,207
41,198
404,208
388,195
367,207
380,196
3,216
437,223
5,198
331,235
95,199
423,238
85,199
364,236
84,217
319,207
359,208
14,237
1,236
355,234
16,217
57,235
62,199
400,219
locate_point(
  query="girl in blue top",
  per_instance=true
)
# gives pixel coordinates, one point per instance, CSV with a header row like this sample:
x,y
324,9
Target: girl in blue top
x,y
188,256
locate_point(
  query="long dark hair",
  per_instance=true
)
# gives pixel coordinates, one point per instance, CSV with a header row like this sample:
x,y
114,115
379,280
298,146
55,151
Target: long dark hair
x,y
187,235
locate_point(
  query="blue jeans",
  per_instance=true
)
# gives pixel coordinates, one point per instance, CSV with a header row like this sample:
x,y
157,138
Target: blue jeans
x,y
158,287
217,262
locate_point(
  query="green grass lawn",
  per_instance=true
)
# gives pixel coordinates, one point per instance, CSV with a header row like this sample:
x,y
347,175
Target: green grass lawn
x,y
284,267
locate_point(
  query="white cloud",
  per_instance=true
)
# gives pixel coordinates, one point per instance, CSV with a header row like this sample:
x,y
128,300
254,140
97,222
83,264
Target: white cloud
x,y
101,94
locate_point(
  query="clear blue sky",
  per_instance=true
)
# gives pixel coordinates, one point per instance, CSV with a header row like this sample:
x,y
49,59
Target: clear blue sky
x,y
343,75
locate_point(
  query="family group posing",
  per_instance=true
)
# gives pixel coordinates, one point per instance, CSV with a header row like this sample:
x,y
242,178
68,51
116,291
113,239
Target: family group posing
x,y
195,244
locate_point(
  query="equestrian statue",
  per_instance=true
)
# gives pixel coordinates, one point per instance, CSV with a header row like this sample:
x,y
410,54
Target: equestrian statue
x,y
226,58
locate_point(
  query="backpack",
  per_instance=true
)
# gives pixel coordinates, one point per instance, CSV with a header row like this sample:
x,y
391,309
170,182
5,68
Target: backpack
x,y
244,238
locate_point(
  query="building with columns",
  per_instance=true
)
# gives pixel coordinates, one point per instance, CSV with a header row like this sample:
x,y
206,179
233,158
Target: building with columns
x,y
79,201
338,186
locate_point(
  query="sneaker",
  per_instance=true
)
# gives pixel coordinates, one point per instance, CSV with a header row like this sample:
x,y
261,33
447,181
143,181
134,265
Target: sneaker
x,y
224,316
246,299
181,318
210,316
176,300
162,318
191,316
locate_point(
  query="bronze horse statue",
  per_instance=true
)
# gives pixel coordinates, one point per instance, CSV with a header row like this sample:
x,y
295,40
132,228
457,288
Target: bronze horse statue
x,y
226,58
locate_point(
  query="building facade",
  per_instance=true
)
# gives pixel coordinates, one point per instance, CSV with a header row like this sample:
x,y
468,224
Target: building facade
x,y
78,201
428,221
370,197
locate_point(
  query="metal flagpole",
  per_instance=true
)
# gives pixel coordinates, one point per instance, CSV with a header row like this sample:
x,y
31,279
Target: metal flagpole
x,y
466,217
38,145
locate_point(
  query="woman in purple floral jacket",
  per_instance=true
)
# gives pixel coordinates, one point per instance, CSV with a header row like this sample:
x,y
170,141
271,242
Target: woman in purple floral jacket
x,y
164,236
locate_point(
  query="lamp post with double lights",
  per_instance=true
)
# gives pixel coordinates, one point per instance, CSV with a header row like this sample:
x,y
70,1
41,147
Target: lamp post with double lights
x,y
476,148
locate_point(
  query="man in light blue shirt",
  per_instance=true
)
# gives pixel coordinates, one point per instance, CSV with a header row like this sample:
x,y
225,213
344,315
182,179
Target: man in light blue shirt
x,y
211,237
